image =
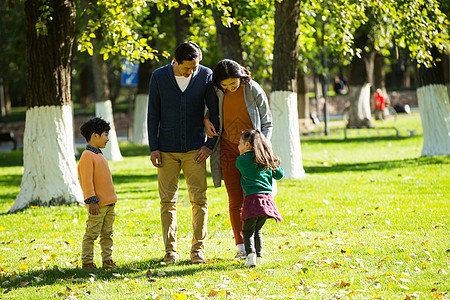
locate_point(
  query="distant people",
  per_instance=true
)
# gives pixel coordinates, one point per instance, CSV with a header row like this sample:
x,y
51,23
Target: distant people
x,y
339,86
242,105
99,194
258,166
379,104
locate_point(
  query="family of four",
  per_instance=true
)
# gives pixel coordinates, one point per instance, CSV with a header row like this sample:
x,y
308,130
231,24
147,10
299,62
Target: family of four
x,y
193,113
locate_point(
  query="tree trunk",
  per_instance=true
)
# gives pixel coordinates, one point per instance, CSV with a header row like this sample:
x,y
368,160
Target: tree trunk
x,y
140,135
84,87
380,77
434,108
50,174
305,122
181,23
103,105
380,73
100,71
228,39
283,98
361,70
446,66
5,98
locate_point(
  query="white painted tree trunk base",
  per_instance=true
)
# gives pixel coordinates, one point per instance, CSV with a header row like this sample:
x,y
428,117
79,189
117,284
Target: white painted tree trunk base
x,y
434,110
140,135
286,134
359,110
50,172
103,110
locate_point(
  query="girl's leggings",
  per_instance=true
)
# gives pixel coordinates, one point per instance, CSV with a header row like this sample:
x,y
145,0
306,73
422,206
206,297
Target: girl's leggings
x,y
252,231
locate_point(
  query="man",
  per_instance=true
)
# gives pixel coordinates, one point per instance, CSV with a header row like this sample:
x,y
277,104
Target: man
x,y
177,98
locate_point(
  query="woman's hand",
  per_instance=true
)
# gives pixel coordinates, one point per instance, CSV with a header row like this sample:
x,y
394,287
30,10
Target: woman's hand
x,y
209,128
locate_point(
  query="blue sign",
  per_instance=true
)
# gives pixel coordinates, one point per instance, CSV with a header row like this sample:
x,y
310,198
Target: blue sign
x,y
129,73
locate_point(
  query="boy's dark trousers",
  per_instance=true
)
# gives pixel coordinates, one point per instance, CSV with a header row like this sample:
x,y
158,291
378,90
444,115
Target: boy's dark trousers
x,y
252,232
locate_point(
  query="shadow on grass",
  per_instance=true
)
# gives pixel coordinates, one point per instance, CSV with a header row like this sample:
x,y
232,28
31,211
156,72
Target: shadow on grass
x,y
10,180
152,270
355,140
119,178
378,165
11,158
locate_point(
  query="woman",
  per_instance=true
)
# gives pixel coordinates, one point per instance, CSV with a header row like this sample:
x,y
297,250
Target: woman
x,y
242,105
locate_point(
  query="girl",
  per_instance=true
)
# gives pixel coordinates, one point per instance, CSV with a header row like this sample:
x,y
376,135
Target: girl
x,y
242,105
258,166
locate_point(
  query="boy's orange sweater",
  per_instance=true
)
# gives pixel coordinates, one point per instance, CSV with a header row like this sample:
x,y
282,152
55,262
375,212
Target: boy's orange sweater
x,y
95,178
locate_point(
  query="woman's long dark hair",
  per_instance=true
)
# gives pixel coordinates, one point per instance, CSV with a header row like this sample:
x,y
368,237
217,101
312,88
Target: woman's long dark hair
x,y
264,155
228,68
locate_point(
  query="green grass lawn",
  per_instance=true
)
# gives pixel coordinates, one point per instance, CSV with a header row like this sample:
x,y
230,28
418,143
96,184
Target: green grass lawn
x,y
370,220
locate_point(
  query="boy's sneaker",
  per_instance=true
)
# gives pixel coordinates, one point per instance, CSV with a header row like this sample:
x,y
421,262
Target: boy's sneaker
x,y
259,260
171,257
109,264
240,255
89,267
197,258
251,260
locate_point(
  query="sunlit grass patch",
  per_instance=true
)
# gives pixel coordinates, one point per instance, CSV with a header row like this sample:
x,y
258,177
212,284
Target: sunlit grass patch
x,y
369,221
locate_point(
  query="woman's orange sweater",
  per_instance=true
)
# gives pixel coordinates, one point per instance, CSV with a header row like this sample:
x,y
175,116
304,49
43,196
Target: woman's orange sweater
x,y
235,115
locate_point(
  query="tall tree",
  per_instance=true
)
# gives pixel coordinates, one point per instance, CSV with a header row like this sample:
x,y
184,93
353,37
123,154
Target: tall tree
x,y
360,81
283,98
12,54
102,93
50,175
228,37
434,107
182,23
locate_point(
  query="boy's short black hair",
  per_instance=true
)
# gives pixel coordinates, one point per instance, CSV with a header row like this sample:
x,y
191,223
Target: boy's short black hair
x,y
95,125
187,51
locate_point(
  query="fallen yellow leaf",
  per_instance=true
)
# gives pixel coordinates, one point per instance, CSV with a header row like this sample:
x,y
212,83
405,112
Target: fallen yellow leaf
x,y
23,267
2,228
370,251
390,273
180,296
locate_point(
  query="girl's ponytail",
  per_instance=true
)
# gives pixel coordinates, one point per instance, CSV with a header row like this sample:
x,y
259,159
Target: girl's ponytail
x,y
264,155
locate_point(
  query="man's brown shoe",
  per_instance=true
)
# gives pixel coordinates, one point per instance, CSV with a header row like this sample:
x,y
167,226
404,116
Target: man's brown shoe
x,y
171,257
89,267
197,258
109,264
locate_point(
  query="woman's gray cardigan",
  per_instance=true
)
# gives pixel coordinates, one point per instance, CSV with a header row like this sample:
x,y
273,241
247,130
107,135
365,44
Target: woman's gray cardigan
x,y
259,111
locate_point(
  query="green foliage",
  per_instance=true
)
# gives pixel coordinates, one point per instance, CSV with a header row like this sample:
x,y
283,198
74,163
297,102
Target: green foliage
x,y
118,23
45,16
12,47
422,25
257,36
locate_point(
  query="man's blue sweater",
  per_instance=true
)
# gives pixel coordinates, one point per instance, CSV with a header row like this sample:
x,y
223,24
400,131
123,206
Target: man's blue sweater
x,y
175,118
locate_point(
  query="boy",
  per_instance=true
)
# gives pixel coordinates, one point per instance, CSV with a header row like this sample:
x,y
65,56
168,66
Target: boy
x,y
98,191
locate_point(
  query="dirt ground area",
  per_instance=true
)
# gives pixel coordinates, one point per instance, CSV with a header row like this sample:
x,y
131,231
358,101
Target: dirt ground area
x,y
121,120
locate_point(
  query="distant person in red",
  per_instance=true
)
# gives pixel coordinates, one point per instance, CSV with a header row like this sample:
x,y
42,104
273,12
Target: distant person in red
x,y
380,104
